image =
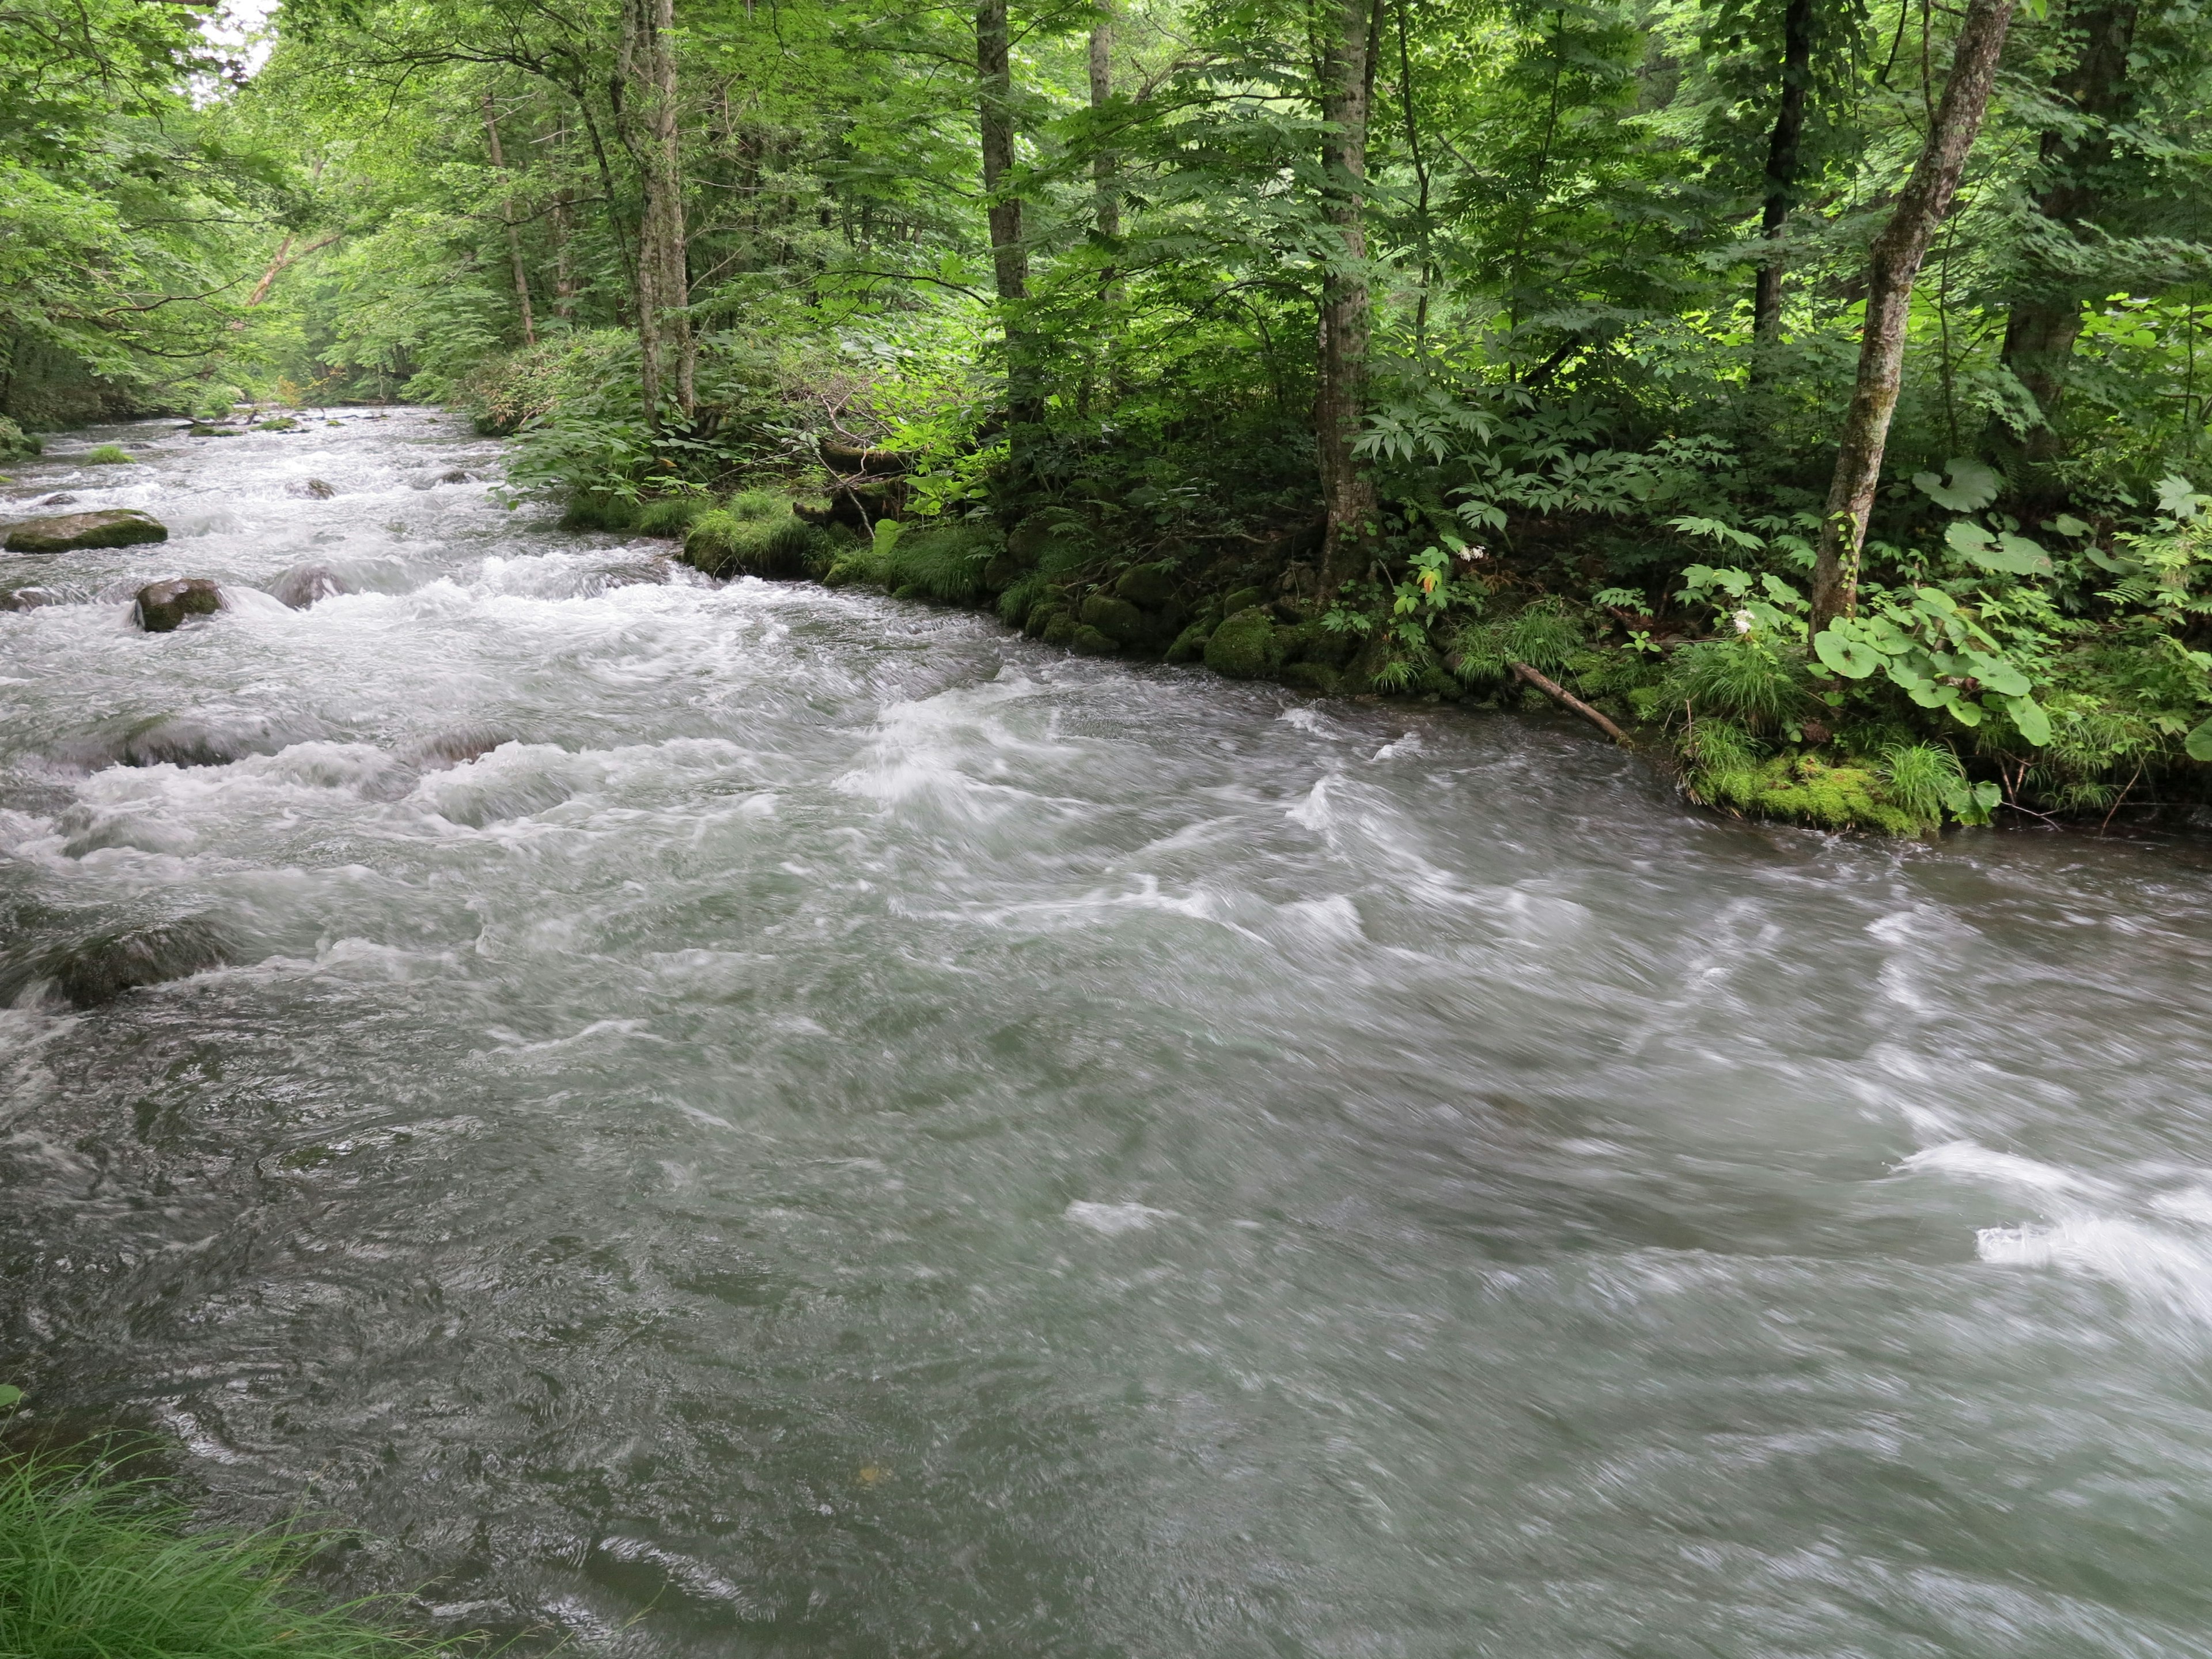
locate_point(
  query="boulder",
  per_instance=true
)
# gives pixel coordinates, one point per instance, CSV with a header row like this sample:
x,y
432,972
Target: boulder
x,y
1151,586
1093,643
59,498
31,598
202,430
66,531
453,475
163,605
1246,647
1117,619
303,584
1238,600
100,968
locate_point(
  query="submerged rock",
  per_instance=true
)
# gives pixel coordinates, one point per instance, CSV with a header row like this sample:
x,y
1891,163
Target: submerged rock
x,y
31,598
316,488
65,532
100,968
59,498
303,584
163,605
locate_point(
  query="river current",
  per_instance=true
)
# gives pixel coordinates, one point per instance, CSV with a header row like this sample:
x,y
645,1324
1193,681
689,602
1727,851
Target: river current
x,y
749,1120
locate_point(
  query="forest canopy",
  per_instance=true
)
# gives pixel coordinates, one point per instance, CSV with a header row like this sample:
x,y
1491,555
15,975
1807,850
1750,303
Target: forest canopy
x,y
1824,381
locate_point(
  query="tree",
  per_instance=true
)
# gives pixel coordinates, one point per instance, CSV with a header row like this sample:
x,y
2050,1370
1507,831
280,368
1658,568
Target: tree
x,y
1343,81
1893,264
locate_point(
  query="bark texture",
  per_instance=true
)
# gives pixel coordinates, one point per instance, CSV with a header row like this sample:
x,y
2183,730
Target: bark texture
x,y
507,214
1781,152
1345,77
646,95
1010,255
1893,266
1105,163
2045,320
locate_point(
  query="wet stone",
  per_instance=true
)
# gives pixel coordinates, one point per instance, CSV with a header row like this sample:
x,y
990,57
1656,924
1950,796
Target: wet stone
x,y
65,532
303,584
98,969
163,605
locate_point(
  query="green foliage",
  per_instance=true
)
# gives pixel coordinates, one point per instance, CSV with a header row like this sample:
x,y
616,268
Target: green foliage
x,y
105,455
756,533
95,1564
945,563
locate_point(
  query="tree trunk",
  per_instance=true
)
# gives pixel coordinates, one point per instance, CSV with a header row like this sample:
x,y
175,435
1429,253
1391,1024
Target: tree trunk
x,y
1104,163
1010,257
506,213
2045,319
1346,80
1781,171
650,133
1894,262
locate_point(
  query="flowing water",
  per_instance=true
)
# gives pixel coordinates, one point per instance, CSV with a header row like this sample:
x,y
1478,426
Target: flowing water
x,y
750,1120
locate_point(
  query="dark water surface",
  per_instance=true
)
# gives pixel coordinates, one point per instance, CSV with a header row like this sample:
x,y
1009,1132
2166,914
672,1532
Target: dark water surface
x,y
848,1132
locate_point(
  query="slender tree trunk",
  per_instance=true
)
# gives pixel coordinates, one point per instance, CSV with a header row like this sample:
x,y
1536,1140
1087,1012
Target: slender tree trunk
x,y
506,213
1894,262
1105,163
1781,171
649,108
1346,78
1010,257
2045,319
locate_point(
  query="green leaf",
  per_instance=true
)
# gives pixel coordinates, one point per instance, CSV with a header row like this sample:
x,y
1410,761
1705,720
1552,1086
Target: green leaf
x,y
1845,653
1965,535
2029,716
2199,743
1973,487
1987,796
9,1395
2068,526
1997,675
2006,552
2178,498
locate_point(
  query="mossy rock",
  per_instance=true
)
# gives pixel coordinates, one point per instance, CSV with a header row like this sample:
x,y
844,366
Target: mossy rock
x,y
1093,643
1317,678
1190,645
1311,642
162,607
1152,586
202,430
757,534
1060,629
1247,646
1241,599
68,532
1117,619
1803,789
280,424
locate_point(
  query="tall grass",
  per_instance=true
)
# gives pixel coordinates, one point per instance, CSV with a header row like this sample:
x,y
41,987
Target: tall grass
x,y
755,533
942,562
95,1565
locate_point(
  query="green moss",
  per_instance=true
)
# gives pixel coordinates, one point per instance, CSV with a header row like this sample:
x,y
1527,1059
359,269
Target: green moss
x,y
1247,646
278,423
1151,586
105,455
1093,643
1017,601
1117,619
1317,678
1797,788
1061,628
1240,600
1190,645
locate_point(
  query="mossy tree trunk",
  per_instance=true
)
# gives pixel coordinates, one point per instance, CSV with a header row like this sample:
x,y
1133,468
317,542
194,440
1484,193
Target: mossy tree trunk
x,y
1346,31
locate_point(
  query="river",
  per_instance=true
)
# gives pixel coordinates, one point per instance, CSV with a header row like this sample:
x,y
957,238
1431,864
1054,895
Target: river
x,y
750,1120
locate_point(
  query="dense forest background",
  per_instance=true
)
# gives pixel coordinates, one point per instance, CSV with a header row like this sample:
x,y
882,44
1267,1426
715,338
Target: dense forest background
x,y
1442,348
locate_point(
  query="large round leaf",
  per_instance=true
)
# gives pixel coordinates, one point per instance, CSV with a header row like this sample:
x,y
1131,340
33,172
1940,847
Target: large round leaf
x,y
1845,653
2029,716
2199,743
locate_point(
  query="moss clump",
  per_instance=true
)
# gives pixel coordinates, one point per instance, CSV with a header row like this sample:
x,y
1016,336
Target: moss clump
x,y
1247,646
93,1565
1190,645
1795,786
278,423
1243,597
1061,628
1315,676
1151,586
755,533
1091,643
105,455
1117,619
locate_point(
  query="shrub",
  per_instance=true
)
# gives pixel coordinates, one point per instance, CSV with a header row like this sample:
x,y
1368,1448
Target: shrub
x,y
1739,679
755,533
96,1566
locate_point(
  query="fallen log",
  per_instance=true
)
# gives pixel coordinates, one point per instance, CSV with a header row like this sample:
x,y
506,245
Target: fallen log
x,y
1566,699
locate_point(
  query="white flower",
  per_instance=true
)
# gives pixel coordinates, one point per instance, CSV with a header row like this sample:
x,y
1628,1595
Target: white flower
x,y
1743,621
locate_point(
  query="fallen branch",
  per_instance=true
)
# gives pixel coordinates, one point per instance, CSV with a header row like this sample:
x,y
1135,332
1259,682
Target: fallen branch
x,y
1566,699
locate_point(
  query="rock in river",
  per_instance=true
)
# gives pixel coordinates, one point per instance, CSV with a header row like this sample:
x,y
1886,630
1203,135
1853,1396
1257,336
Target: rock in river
x,y
163,605
303,584
66,531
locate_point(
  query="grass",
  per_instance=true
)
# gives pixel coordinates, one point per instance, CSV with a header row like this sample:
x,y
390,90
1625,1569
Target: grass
x,y
755,533
944,563
107,455
96,1565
